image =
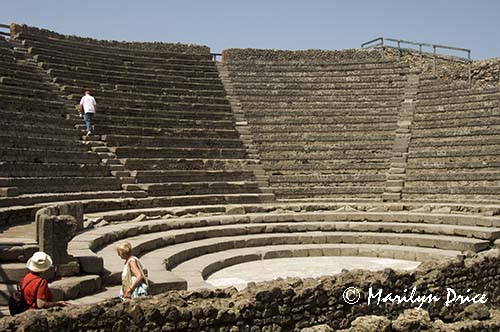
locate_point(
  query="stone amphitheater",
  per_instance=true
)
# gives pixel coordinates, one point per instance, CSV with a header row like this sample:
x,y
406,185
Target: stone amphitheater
x,y
204,165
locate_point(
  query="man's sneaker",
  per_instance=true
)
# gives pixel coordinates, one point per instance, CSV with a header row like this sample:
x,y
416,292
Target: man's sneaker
x,y
88,133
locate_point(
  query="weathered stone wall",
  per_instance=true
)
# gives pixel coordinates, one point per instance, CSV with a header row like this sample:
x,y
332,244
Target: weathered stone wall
x,y
250,54
284,305
140,46
482,71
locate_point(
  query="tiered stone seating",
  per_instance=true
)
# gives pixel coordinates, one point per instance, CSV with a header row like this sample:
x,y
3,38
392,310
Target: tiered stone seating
x,y
154,110
183,248
453,154
322,129
42,156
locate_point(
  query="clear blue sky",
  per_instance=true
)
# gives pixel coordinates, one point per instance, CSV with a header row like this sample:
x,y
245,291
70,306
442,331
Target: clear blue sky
x,y
279,24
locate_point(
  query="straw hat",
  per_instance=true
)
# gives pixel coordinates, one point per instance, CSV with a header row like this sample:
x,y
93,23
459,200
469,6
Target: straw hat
x,y
39,262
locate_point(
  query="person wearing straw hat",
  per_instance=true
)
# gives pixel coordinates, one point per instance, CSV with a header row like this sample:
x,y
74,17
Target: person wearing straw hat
x,y
36,289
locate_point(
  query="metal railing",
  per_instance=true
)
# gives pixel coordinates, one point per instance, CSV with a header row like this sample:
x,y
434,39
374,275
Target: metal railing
x,y
382,43
3,32
215,56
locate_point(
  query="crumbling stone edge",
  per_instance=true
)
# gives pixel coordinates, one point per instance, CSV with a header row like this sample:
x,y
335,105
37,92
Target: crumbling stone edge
x,y
282,305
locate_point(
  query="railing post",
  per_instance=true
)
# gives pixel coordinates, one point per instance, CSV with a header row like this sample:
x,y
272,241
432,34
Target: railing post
x,y
434,60
399,51
469,67
421,57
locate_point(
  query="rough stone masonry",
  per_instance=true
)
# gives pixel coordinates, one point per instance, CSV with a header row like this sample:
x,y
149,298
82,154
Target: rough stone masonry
x,y
282,305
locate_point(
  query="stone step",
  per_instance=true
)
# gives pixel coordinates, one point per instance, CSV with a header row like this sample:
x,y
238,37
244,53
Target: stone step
x,y
60,184
194,188
150,152
100,149
109,162
193,175
184,242
196,270
65,44
187,163
9,205
47,156
134,130
186,114
165,141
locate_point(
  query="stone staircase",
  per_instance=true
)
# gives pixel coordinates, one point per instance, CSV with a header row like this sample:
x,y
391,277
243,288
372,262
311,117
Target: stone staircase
x,y
397,170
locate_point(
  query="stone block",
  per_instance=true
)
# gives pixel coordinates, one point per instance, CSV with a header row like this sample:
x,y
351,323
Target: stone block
x,y
91,264
9,192
68,269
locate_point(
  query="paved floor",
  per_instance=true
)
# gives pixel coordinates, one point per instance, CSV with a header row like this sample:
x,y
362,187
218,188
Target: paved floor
x,y
303,267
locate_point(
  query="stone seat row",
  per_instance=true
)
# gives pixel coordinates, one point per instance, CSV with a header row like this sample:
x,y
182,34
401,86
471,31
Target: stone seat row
x,y
104,57
117,82
146,91
34,155
20,169
480,112
342,166
168,112
159,87
22,92
347,119
297,112
271,66
458,122
272,94
156,77
108,47
339,86
187,163
110,64
20,82
111,95
178,108
164,122
318,127
454,91
162,102
454,140
137,130
148,176
208,186
60,184
307,138
449,100
311,105
469,131
320,96
328,178
348,193
175,142
330,142
305,89
54,116
328,76
54,144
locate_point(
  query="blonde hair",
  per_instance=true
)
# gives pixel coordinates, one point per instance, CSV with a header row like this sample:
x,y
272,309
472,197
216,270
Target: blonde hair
x,y
124,248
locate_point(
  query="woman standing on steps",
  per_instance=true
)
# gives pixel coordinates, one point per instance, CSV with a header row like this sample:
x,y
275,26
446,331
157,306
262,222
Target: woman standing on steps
x,y
134,280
